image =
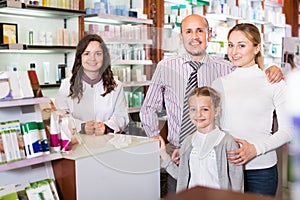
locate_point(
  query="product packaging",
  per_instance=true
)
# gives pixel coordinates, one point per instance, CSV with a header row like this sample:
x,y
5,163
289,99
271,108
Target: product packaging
x,y
2,152
15,124
40,190
37,91
32,140
54,132
43,138
7,145
46,66
5,93
69,135
8,192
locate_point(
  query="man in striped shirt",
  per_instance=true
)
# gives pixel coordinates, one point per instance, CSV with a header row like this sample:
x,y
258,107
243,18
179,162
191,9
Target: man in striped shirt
x,y
171,76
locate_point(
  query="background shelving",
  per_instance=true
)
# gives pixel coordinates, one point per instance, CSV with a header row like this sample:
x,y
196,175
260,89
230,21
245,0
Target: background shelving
x,y
127,39
42,21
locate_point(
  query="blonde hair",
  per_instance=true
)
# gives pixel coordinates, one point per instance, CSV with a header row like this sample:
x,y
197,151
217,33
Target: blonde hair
x,y
207,92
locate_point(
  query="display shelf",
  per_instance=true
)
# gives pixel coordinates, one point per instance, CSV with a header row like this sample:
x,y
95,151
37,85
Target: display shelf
x,y
134,110
132,62
23,102
54,85
169,26
176,2
136,83
127,41
114,19
39,49
221,17
30,161
41,11
272,3
188,2
272,56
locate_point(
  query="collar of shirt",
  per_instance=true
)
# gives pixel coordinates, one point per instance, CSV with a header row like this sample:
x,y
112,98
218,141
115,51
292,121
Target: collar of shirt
x,y
187,58
91,82
212,139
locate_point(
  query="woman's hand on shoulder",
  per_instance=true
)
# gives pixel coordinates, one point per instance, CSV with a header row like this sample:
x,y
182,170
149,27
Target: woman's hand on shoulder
x,y
243,154
274,74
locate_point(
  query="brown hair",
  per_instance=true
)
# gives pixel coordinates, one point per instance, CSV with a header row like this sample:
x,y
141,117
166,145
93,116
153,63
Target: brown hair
x,y
109,84
252,33
207,92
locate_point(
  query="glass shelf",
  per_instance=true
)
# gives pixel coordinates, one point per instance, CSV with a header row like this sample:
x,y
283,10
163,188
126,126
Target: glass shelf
x,y
51,85
23,102
136,83
134,110
127,41
41,11
40,49
114,19
188,2
273,3
131,62
29,161
221,17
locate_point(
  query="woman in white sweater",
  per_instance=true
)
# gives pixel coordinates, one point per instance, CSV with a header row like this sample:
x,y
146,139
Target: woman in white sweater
x,y
91,95
249,101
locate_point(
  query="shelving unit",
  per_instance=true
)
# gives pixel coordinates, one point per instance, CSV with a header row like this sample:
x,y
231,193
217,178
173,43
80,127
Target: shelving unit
x,y
21,9
37,18
114,19
29,162
23,102
25,110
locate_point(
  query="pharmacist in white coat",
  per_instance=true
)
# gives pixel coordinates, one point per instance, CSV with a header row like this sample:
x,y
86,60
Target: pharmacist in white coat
x,y
91,95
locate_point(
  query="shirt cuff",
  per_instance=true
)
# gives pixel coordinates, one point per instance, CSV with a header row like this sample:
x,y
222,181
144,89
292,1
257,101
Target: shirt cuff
x,y
108,129
82,128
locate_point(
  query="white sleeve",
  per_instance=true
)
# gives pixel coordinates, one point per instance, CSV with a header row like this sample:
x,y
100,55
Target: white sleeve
x,y
120,118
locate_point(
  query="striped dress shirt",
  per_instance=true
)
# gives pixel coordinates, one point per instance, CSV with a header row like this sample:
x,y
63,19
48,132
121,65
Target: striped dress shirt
x,y
168,87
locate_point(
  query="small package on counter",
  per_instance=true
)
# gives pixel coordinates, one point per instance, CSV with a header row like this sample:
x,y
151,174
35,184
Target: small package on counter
x,y
69,135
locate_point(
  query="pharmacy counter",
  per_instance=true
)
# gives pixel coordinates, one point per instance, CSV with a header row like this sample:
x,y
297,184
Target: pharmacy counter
x,y
110,167
215,194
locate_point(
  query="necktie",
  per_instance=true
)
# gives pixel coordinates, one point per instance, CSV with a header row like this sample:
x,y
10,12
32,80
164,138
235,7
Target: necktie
x,y
187,127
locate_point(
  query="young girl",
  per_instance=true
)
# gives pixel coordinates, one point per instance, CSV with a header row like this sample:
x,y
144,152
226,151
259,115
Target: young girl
x,y
203,158
248,103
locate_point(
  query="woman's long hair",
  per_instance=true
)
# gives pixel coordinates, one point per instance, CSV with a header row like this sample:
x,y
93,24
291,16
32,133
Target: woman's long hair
x,y
76,87
252,33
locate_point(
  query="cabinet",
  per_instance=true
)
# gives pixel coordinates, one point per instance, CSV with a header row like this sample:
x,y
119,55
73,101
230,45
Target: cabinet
x,y
32,169
128,41
127,164
46,24
110,167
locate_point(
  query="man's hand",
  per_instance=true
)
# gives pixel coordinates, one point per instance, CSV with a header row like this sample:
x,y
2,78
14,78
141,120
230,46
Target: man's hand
x,y
274,74
176,156
162,151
